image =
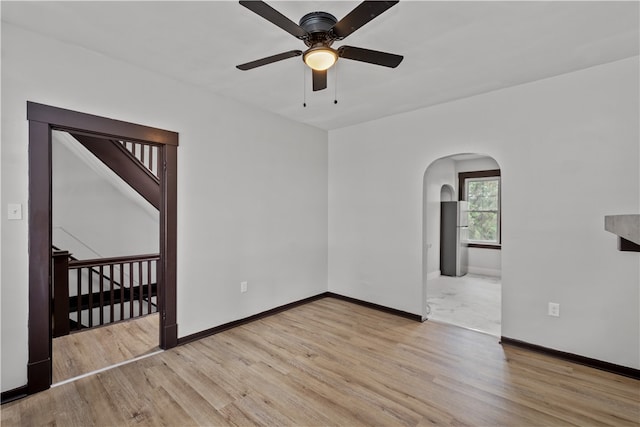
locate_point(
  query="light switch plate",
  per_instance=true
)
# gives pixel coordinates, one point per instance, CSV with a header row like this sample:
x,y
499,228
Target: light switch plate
x,y
14,211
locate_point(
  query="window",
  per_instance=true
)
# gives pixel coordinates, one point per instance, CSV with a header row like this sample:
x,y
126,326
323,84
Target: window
x,y
481,190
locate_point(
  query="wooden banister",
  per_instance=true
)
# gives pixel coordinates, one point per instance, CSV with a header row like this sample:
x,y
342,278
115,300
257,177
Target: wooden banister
x,y
146,154
96,284
60,293
113,260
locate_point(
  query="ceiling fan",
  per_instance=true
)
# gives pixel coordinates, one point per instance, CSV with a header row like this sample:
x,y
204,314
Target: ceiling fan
x,y
318,30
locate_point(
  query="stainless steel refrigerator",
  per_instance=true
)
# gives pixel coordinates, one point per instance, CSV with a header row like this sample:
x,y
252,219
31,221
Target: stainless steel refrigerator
x,y
454,255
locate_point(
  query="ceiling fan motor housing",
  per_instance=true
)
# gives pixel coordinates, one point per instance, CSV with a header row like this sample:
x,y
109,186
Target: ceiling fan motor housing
x,y
318,25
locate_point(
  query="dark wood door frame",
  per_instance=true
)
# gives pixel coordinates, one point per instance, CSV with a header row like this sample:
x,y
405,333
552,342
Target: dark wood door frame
x,y
42,120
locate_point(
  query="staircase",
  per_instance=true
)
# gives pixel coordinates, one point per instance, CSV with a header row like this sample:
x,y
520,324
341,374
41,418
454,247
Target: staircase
x,y
87,293
137,164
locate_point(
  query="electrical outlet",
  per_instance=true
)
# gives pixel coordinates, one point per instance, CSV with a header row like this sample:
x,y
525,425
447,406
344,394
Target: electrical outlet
x,y
553,309
243,286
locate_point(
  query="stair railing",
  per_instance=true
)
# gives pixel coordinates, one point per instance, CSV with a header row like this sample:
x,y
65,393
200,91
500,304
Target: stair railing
x,y
95,292
146,154
60,304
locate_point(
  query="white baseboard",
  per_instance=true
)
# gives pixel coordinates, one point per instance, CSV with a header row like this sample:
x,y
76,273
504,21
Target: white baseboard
x,y
472,270
433,275
484,271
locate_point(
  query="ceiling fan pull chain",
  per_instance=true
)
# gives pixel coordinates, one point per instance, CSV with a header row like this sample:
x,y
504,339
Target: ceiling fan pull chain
x,y
304,87
335,97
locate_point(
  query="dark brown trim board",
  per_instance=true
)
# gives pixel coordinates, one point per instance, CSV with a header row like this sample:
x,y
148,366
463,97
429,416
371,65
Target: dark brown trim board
x,y
582,360
462,176
39,217
405,314
239,322
71,121
15,394
484,246
42,120
230,325
167,295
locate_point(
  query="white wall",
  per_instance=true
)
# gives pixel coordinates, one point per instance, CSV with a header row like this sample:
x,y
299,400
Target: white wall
x,y
472,165
486,262
252,186
92,216
568,148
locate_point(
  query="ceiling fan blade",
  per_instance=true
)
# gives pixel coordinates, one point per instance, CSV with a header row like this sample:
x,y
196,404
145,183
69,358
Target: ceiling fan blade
x,y
275,17
269,60
371,56
363,13
319,80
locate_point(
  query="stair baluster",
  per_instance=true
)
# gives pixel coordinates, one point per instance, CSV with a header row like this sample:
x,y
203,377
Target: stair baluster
x,y
138,288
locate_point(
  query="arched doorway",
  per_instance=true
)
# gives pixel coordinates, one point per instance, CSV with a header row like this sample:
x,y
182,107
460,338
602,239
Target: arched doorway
x,y
470,293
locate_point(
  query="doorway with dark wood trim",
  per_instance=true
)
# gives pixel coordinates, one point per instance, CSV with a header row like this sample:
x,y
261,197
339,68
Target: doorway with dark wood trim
x,y
42,120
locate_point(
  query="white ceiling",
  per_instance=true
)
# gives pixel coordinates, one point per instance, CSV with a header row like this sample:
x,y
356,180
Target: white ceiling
x,y
452,49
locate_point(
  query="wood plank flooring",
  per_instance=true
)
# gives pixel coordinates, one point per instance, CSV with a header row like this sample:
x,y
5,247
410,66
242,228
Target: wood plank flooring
x,y
82,352
331,362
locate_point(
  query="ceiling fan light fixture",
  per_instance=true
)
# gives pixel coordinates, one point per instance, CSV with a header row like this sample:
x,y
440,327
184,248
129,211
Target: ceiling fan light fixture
x,y
320,58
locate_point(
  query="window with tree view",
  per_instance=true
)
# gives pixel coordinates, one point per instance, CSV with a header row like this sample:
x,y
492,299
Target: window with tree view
x,y
482,193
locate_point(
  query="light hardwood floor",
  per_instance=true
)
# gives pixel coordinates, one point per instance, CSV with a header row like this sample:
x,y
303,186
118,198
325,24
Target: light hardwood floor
x,y
82,352
331,362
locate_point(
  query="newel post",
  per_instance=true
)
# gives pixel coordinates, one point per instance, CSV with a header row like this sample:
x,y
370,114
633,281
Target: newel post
x,y
60,293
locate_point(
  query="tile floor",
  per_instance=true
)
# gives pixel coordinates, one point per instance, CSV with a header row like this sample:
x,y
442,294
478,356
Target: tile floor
x,y
470,301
